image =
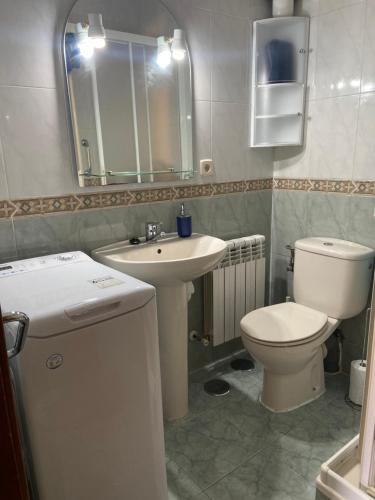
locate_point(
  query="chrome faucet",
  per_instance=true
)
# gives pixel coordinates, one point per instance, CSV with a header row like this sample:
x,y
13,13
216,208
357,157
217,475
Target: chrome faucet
x,y
154,231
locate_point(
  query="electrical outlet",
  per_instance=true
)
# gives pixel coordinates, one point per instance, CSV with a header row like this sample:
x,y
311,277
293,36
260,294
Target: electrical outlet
x,y
206,167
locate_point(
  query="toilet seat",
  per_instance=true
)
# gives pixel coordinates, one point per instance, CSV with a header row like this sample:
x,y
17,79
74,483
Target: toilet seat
x,y
284,325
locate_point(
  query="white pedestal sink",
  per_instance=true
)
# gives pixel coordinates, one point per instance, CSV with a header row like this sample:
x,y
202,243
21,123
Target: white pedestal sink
x,y
168,264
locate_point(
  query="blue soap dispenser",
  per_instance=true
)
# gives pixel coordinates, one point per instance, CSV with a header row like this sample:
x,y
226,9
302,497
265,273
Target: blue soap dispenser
x,y
183,223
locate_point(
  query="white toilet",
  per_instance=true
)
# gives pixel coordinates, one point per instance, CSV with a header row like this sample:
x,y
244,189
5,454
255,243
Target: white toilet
x,y
331,282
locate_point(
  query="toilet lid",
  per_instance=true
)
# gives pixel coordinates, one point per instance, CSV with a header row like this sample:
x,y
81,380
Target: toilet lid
x,y
283,323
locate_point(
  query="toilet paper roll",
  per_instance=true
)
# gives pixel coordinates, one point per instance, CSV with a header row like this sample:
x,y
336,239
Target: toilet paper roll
x,y
357,381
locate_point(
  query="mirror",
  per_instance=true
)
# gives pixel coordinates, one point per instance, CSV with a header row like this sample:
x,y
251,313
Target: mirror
x,y
129,82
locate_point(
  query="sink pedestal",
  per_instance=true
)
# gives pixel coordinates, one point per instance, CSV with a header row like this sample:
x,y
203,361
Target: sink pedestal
x,y
173,342
168,264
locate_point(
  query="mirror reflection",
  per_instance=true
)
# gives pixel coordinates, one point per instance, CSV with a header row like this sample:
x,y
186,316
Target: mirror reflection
x,y
130,93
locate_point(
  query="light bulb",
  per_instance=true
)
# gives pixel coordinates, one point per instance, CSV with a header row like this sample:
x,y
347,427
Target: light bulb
x,y
84,44
86,49
164,59
98,43
178,45
178,55
164,52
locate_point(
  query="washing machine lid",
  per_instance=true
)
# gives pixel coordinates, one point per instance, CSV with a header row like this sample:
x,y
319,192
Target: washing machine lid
x,y
63,292
285,323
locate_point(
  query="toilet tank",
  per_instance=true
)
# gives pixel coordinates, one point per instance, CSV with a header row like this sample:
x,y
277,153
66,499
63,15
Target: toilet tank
x,y
332,275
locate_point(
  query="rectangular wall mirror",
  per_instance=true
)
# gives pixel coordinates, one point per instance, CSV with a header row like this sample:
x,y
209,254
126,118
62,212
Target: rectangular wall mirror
x,y
130,95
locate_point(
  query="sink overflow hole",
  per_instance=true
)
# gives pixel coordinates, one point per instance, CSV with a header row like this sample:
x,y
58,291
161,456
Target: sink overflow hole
x,y
159,250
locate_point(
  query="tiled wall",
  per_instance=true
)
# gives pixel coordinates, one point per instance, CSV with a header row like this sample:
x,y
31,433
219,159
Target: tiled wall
x,y
219,34
36,155
225,216
300,214
35,150
341,95
339,144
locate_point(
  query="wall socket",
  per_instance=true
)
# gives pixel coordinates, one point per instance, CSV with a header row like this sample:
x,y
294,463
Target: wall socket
x,y
206,167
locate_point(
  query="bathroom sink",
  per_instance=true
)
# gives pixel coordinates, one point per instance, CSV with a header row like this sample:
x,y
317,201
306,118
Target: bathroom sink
x,y
167,261
168,264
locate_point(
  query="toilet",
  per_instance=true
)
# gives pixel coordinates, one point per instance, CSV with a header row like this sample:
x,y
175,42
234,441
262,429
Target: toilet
x,y
331,281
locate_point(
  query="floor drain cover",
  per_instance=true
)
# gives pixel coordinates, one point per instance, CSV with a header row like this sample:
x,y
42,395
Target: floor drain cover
x,y
217,387
242,364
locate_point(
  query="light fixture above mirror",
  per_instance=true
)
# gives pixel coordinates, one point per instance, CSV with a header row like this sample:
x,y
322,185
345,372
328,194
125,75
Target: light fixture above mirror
x,y
178,45
90,36
173,48
96,33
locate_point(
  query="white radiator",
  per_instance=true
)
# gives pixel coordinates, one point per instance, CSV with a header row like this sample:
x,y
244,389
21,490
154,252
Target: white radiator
x,y
234,288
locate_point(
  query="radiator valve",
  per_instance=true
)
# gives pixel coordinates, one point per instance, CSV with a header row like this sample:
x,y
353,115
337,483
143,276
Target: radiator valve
x,y
195,336
291,258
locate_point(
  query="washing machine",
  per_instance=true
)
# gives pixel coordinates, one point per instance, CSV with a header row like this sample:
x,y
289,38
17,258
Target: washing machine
x,y
87,379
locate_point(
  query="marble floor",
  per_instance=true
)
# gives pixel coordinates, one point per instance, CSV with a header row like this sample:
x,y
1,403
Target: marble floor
x,y
232,448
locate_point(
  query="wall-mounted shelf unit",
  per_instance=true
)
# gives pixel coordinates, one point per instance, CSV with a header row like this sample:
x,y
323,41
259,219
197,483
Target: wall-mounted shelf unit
x,y
279,72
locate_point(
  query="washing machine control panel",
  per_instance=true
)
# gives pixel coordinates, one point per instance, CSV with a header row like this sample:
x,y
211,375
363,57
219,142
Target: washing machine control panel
x,y
37,263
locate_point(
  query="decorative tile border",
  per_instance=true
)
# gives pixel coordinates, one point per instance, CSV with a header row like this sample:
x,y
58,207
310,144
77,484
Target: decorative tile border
x,y
7,209
364,187
59,204
342,186
124,198
151,195
259,184
229,187
115,199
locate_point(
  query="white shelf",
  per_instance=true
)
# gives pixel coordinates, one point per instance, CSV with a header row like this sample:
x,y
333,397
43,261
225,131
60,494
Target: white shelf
x,y
273,20
271,117
278,92
279,84
275,144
